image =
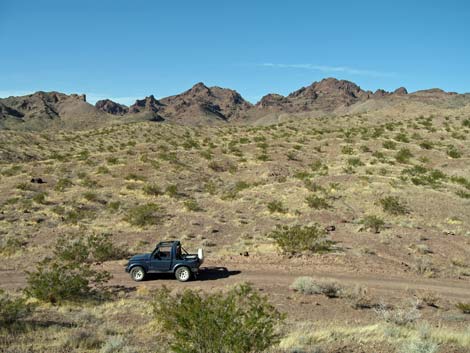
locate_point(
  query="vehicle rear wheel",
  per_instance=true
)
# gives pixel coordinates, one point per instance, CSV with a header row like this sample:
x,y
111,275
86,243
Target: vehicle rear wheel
x,y
137,273
183,274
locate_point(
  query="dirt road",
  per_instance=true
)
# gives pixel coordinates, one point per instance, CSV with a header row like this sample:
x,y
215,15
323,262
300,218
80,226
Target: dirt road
x,y
271,278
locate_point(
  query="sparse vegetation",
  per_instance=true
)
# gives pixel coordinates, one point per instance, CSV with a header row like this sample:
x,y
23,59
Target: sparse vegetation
x,y
373,223
238,321
393,205
297,239
145,215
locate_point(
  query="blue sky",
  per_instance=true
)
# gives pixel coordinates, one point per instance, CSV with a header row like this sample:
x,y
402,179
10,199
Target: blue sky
x,y
129,49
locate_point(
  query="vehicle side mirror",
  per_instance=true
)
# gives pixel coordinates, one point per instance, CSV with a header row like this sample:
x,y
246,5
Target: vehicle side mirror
x,y
157,255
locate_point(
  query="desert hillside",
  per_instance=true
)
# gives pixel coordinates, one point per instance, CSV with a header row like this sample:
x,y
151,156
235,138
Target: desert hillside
x,y
383,177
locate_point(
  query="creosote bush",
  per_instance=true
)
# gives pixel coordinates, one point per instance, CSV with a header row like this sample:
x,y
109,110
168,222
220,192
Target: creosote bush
x,y
463,307
276,206
238,321
68,274
12,310
373,223
317,202
144,215
298,239
393,205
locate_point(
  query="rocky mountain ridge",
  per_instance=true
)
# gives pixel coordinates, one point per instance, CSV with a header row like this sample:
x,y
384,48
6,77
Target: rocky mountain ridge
x,y
201,105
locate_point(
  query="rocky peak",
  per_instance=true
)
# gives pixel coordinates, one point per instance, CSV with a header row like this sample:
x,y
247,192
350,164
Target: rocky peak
x,y
111,107
272,100
401,91
149,104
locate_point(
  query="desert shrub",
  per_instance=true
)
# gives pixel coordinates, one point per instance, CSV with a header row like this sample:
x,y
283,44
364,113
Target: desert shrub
x,y
390,145
40,198
426,145
114,344
403,155
373,223
393,205
347,150
238,321
10,245
319,168
192,205
355,162
68,274
297,239
401,316
421,175
12,310
152,190
453,152
114,206
423,266
402,138
55,280
308,285
89,248
419,345
91,196
172,190
101,248
317,202
276,206
463,307
63,184
83,339
144,215
14,170
135,177
112,160
305,285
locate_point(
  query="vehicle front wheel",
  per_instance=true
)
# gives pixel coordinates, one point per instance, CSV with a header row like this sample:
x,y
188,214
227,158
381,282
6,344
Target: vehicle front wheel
x,y
183,274
137,273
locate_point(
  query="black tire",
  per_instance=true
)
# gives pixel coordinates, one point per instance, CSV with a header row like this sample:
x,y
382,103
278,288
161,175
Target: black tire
x,y
183,274
137,273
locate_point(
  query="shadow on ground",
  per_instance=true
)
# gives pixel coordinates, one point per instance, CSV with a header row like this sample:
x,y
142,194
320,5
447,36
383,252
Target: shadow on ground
x,y
205,274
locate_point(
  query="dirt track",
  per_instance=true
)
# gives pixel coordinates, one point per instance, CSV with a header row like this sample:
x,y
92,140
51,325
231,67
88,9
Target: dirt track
x,y
271,278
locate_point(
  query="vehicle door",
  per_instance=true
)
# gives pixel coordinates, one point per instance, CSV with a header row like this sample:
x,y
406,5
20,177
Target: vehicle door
x,y
161,259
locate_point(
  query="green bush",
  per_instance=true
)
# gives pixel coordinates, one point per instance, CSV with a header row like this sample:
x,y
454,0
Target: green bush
x,y
63,184
192,205
238,321
68,274
90,248
317,202
276,206
403,155
373,223
463,307
393,205
453,152
144,215
152,190
12,310
297,239
40,198
390,145
56,280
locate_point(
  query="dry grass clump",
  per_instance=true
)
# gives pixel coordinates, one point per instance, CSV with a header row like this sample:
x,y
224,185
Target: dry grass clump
x,y
309,285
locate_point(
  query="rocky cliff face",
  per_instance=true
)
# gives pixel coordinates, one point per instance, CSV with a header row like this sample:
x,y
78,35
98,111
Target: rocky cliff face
x,y
110,107
220,103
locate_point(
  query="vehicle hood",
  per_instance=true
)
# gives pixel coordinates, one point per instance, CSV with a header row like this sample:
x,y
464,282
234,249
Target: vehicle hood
x,y
140,257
